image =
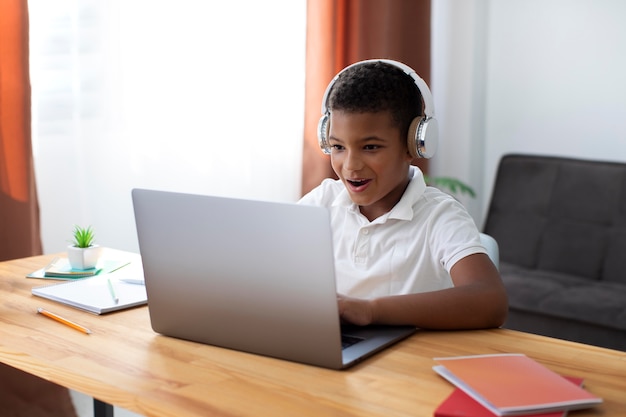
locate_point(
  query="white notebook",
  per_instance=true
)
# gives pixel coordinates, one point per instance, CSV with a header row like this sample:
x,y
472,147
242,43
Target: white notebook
x,y
96,294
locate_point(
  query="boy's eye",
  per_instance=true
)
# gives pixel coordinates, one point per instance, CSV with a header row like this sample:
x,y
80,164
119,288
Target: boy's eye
x,y
371,147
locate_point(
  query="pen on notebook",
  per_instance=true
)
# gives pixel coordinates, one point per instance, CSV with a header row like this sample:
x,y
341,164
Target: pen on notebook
x,y
64,321
51,264
112,291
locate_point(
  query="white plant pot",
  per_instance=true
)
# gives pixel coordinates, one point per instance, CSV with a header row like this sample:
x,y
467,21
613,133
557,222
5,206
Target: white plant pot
x,y
83,258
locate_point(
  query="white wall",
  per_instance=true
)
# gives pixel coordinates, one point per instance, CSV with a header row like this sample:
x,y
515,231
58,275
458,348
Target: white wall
x,y
191,96
458,84
531,76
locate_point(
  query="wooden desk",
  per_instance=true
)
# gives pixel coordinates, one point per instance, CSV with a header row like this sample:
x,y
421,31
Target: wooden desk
x,y
123,362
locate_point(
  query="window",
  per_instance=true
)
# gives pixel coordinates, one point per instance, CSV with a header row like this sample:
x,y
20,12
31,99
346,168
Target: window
x,y
192,96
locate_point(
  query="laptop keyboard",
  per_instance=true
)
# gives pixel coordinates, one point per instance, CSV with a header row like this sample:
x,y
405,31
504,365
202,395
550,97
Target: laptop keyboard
x,y
347,341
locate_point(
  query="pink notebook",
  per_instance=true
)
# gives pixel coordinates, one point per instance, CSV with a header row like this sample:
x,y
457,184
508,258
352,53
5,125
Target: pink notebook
x,y
459,404
513,384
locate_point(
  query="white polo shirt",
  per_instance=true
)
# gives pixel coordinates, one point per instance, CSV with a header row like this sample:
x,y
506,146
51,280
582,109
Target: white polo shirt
x,y
410,249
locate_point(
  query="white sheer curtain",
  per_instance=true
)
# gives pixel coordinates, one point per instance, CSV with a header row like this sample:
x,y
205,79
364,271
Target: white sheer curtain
x,y
192,96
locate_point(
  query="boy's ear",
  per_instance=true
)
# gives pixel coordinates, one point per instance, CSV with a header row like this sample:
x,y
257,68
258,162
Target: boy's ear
x,y
410,158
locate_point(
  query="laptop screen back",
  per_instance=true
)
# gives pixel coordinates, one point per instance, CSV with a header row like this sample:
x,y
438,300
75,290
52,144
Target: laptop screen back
x,y
247,275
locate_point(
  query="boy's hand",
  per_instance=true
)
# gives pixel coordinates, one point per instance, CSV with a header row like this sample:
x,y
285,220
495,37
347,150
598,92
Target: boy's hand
x,y
355,311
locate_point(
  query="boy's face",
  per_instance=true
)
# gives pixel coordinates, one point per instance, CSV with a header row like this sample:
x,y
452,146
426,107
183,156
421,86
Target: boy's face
x,y
371,158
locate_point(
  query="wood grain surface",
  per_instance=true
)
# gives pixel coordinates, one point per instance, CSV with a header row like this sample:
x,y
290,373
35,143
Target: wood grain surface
x,y
124,363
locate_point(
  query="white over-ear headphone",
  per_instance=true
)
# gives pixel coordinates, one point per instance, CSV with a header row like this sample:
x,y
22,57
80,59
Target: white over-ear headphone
x,y
423,132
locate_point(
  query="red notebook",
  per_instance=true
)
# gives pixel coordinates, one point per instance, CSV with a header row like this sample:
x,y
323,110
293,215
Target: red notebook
x,y
513,384
459,404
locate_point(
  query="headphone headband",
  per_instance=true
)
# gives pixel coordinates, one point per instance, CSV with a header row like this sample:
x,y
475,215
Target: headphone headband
x,y
423,132
429,108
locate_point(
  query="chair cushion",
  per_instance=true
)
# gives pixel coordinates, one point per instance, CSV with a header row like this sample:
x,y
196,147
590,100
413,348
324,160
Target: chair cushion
x,y
565,296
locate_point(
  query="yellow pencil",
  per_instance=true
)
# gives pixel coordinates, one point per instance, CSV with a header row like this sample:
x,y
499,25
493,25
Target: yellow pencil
x,y
64,321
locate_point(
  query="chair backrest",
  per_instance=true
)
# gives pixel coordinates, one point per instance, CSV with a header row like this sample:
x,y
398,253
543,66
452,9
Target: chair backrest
x,y
492,248
561,215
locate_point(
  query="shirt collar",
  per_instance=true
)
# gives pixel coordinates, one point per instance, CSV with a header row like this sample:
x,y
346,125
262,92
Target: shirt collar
x,y
403,210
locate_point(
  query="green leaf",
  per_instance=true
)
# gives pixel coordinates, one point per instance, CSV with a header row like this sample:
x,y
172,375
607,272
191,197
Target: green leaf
x,y
453,185
83,237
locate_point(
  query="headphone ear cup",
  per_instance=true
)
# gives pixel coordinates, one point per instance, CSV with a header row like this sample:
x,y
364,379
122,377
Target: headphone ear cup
x,y
427,139
411,142
423,136
323,130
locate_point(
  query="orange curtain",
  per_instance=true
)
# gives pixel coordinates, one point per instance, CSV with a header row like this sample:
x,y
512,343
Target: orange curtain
x,y
341,32
21,394
19,207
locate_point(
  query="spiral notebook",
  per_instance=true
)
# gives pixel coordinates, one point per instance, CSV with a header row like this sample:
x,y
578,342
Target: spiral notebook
x,y
100,294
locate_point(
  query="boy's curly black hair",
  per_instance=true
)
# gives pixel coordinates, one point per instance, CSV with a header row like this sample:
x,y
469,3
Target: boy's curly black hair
x,y
375,87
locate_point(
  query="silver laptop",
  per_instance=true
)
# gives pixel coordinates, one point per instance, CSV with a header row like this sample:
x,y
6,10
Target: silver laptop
x,y
248,275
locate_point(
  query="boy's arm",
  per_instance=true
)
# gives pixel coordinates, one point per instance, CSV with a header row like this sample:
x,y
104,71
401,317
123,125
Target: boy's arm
x,y
478,300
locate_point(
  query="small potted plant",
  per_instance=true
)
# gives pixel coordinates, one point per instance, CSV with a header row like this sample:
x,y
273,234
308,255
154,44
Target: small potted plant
x,y
453,185
83,253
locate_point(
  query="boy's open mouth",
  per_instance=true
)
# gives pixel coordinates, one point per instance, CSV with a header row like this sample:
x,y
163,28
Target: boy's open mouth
x,y
358,183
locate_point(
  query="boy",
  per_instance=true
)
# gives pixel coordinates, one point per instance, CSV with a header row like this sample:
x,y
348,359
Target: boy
x,y
405,253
